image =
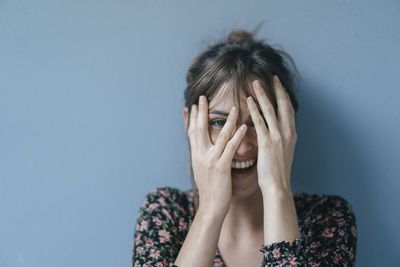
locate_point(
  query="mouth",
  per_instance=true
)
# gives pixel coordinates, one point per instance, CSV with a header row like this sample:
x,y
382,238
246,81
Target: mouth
x,y
242,169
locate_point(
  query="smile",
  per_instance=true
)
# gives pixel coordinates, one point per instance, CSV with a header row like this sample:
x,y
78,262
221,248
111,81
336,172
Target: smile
x,y
243,164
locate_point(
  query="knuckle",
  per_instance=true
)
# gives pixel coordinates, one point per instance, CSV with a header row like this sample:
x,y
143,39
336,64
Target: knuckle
x,y
259,119
288,135
291,136
282,100
230,120
201,127
190,126
195,132
191,135
193,113
223,136
277,138
229,146
270,110
287,106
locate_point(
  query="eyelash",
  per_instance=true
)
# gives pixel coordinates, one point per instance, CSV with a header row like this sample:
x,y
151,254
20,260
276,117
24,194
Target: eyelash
x,y
219,120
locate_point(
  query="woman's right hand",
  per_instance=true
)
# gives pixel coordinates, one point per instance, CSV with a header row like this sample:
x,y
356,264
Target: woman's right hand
x,y
212,163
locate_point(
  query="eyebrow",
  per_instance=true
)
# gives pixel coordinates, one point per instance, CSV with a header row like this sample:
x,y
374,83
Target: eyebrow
x,y
218,112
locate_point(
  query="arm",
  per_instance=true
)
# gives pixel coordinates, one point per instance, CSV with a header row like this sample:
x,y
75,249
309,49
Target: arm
x,y
211,162
328,239
276,139
276,144
161,227
280,218
201,242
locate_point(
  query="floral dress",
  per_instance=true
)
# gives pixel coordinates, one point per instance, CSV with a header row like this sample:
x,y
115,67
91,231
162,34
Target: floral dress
x,y
327,225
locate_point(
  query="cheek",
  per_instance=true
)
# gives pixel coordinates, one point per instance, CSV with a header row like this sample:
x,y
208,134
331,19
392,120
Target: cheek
x,y
252,134
251,131
213,134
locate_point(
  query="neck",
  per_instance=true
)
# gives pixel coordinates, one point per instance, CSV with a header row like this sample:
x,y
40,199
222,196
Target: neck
x,y
245,215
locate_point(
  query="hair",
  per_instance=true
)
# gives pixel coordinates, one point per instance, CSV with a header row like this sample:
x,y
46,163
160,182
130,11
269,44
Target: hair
x,y
233,61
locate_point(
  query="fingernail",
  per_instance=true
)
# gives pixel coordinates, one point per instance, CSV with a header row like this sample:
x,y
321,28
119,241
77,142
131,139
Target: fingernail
x,y
250,100
201,100
243,127
233,110
256,84
276,78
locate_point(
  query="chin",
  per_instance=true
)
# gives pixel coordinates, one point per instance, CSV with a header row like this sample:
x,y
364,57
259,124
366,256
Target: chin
x,y
240,190
244,184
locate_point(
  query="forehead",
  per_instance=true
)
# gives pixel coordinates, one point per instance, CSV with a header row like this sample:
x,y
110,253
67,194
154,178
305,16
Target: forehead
x,y
225,98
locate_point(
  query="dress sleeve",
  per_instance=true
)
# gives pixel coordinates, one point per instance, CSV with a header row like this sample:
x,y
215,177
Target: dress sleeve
x,y
155,240
328,238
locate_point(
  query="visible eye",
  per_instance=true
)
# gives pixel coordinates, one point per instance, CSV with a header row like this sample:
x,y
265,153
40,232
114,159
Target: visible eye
x,y
218,123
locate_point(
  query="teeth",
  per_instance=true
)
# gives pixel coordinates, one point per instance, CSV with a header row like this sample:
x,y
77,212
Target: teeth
x,y
243,164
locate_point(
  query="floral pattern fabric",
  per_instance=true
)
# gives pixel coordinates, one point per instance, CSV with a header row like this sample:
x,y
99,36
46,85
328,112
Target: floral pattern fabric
x,y
327,225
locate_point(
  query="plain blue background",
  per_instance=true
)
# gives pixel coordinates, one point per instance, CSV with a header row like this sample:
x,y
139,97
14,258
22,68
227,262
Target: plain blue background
x,y
91,99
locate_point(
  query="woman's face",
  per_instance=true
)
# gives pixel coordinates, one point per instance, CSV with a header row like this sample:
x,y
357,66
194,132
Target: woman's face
x,y
243,184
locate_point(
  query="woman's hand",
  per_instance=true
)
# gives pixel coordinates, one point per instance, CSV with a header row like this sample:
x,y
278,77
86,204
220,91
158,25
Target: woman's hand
x,y
276,143
212,163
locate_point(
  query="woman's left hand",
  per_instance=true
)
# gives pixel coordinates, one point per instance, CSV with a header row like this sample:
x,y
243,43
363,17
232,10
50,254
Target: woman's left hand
x,y
276,143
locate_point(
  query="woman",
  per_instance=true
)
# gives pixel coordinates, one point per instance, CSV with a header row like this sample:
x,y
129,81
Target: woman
x,y
240,120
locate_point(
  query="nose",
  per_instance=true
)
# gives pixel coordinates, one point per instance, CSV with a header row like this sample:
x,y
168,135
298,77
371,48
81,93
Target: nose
x,y
246,145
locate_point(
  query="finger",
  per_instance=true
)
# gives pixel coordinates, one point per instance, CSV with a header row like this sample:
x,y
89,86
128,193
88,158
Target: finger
x,y
192,124
266,108
285,109
233,144
259,123
226,132
202,122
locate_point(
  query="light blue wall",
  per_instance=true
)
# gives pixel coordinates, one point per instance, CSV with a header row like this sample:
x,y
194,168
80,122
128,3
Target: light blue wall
x,y
91,98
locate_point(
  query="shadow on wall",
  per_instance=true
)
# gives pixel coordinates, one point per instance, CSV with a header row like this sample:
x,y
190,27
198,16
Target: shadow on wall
x,y
330,159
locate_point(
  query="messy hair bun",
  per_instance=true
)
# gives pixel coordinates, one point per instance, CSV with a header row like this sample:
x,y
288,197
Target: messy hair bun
x,y
239,35
236,35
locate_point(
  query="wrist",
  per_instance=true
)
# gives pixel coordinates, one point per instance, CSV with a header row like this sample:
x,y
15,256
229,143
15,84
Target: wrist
x,y
277,190
210,215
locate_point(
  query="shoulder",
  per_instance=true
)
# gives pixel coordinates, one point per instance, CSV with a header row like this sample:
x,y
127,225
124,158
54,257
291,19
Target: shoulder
x,y
322,201
161,225
323,210
167,195
169,201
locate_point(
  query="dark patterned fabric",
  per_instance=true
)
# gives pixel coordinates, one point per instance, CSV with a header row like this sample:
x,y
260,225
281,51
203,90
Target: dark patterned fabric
x,y
327,226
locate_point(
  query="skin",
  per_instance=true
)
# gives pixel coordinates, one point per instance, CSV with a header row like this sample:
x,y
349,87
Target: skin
x,y
238,215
